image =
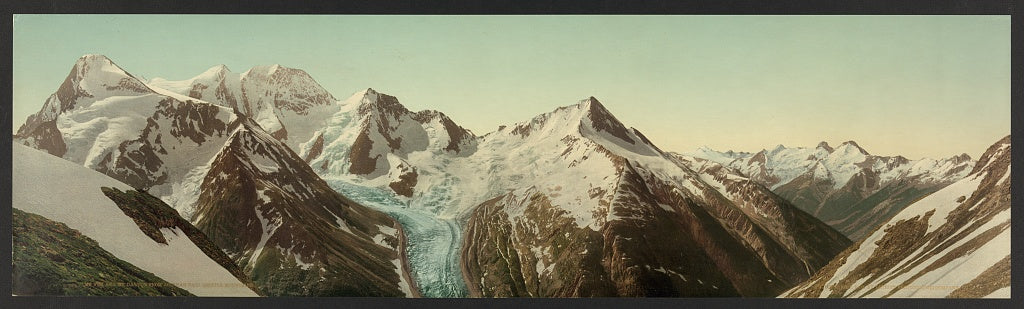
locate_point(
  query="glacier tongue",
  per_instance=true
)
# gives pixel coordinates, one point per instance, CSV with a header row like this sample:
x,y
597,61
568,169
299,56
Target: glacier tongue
x,y
433,242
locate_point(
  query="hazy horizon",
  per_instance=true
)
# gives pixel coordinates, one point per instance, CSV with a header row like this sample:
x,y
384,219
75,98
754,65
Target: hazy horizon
x,y
917,86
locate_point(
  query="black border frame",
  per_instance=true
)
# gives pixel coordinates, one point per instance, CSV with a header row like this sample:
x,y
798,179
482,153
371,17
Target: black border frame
x,y
509,7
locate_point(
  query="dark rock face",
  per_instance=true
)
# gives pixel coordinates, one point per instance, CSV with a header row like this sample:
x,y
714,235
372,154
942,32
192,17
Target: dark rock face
x,y
316,149
69,92
361,162
406,181
50,258
644,139
385,113
605,121
505,265
44,135
759,158
280,134
906,247
151,214
287,229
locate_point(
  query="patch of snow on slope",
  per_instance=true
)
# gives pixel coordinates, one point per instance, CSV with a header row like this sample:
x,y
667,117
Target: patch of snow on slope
x,y
402,282
268,226
963,269
955,273
942,201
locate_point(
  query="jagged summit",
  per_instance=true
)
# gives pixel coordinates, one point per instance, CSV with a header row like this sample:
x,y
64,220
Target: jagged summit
x,y
824,145
603,121
963,157
371,101
564,119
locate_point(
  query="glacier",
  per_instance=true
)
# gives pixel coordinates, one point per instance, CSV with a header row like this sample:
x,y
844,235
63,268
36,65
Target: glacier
x,y
433,242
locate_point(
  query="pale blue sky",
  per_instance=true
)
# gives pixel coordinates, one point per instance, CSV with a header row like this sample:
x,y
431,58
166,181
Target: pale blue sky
x,y
913,85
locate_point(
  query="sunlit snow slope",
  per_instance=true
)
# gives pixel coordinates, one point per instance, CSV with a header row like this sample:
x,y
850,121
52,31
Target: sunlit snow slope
x,y
68,193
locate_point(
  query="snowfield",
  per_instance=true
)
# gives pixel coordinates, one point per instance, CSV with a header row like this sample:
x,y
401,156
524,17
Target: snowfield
x,y
69,193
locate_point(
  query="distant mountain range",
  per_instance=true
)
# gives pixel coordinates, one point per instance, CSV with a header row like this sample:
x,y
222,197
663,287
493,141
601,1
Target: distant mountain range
x,y
308,195
846,187
952,243
429,161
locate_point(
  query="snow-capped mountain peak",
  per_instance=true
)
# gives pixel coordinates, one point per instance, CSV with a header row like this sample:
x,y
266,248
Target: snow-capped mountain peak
x,y
279,73
589,119
603,121
215,85
366,96
218,71
375,102
961,158
851,147
100,62
94,75
286,102
824,146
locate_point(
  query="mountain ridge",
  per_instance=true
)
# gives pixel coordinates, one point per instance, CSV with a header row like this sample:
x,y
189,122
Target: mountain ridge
x,y
952,243
172,146
844,186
